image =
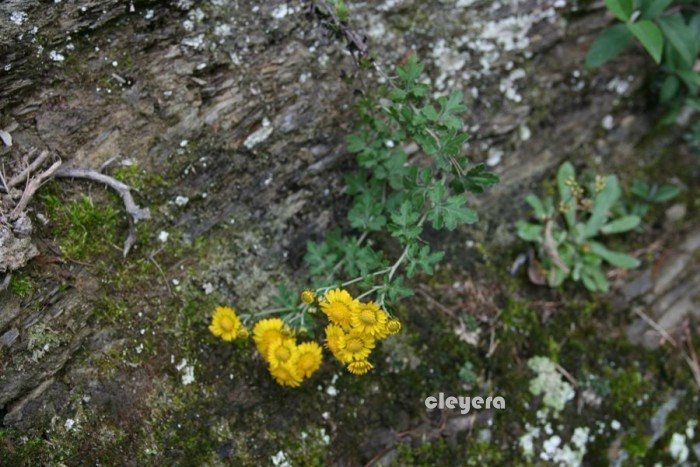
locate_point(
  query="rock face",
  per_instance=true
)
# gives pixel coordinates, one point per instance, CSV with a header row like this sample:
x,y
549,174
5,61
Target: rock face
x,y
242,109
668,292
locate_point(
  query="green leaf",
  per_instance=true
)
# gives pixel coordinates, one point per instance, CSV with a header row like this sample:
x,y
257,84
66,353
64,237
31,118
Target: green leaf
x,y
395,290
691,79
617,259
423,258
366,213
529,232
652,8
602,205
621,9
536,205
411,71
680,37
319,258
623,224
286,297
669,89
608,45
475,180
452,213
650,36
665,193
406,222
357,142
556,276
596,273
430,113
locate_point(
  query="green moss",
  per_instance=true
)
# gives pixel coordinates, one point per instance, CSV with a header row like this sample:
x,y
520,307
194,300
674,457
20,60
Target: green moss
x,y
83,228
21,285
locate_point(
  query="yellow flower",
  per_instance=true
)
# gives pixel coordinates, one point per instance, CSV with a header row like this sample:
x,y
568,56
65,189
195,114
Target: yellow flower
x,y
286,375
267,331
282,351
360,368
335,339
309,358
225,323
338,305
357,346
308,296
393,326
369,318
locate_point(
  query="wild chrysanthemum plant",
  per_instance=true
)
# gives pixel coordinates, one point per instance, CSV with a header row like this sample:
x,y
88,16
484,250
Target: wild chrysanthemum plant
x,y
410,175
569,234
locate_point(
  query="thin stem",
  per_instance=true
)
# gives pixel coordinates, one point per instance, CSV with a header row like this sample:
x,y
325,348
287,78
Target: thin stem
x,y
369,292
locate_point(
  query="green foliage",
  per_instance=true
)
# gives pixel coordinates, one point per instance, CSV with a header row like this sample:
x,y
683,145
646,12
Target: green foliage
x,y
467,374
340,9
669,30
568,237
642,195
393,195
83,228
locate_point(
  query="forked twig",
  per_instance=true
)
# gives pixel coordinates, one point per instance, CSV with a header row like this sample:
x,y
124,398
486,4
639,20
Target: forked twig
x,y
32,186
137,213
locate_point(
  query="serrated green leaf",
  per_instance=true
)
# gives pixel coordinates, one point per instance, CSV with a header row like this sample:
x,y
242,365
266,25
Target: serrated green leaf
x,y
366,213
451,213
395,290
319,258
406,222
411,71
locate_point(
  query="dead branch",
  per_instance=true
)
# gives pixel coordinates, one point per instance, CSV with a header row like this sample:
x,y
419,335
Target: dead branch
x,y
22,176
122,189
31,188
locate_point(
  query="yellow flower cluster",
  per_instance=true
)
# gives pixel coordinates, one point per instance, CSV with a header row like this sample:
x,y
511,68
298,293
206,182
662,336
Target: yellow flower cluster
x,y
354,329
226,324
288,362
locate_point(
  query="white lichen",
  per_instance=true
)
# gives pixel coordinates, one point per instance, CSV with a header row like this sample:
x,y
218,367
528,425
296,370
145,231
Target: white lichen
x,y
18,17
549,383
678,449
56,56
280,460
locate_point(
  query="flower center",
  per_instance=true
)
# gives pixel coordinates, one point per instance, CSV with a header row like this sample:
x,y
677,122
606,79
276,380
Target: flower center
x,y
368,317
282,353
354,345
226,324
